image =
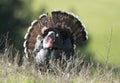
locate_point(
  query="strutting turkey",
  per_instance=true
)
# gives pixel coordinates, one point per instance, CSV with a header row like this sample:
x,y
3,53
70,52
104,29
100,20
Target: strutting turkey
x,y
64,29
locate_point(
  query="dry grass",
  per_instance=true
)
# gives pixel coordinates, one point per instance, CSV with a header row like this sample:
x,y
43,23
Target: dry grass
x,y
14,69
81,72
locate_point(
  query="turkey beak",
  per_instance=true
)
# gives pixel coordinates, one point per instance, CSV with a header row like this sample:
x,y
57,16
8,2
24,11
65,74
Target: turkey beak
x,y
52,36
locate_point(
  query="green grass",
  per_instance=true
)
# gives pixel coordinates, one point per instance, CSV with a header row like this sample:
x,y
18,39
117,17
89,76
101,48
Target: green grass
x,y
99,16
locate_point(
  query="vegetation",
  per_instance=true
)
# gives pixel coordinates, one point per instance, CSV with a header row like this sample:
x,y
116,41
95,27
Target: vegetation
x,y
10,72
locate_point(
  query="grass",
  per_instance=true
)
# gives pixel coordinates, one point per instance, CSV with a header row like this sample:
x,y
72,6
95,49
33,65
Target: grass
x,y
10,72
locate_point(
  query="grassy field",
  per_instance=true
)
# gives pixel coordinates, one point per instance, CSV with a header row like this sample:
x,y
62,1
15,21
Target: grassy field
x,y
10,72
101,18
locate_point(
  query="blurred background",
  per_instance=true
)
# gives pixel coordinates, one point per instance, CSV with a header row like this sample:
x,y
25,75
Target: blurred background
x,y
101,18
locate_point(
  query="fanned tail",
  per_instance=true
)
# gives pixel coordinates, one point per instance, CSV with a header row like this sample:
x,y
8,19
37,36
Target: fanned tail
x,y
68,22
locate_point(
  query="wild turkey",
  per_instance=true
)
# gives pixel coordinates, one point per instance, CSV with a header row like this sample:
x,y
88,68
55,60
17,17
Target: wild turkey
x,y
61,22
